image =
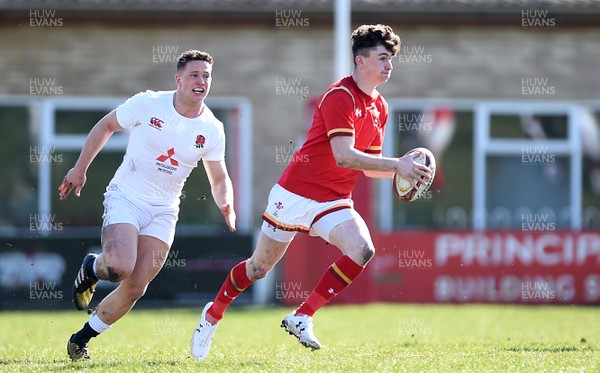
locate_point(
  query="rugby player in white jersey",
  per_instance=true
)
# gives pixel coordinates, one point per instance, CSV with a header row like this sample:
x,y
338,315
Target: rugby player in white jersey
x,y
170,131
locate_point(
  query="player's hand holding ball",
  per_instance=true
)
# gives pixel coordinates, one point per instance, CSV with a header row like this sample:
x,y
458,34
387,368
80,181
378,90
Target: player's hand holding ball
x,y
414,174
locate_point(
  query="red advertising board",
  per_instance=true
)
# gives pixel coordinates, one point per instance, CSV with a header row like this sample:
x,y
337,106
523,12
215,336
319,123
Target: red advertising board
x,y
462,267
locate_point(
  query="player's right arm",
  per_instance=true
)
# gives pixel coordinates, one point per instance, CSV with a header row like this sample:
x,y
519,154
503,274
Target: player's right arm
x,y
95,141
348,157
337,109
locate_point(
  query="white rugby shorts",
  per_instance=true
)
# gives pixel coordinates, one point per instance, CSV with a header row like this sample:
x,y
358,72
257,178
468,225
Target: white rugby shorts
x,y
288,213
155,221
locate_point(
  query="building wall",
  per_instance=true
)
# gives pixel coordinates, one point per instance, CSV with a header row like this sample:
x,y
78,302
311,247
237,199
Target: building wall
x,y
263,62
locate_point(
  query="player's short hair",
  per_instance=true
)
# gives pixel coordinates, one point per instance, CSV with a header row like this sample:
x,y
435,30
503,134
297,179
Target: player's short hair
x,y
366,37
193,55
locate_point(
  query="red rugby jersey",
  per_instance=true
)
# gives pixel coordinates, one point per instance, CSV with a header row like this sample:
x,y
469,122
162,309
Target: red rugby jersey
x,y
343,110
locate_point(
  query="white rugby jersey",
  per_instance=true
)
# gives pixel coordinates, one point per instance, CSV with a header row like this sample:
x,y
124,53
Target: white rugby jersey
x,y
164,147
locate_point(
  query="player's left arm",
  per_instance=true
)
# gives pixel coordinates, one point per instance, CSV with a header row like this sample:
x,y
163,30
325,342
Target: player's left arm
x,y
222,190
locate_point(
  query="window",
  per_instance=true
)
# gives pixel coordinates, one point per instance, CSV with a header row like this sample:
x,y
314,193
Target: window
x,y
529,164
50,142
19,158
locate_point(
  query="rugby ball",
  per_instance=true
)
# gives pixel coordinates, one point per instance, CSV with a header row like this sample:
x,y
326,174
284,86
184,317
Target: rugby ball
x,y
403,188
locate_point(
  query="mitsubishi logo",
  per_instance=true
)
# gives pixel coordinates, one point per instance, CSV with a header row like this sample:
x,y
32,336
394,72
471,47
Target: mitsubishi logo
x,y
169,156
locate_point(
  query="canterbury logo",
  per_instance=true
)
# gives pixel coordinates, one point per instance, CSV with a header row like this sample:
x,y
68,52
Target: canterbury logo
x,y
156,123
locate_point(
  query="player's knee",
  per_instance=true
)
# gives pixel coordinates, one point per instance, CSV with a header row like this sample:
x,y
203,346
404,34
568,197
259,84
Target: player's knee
x,y
114,265
115,272
364,253
258,271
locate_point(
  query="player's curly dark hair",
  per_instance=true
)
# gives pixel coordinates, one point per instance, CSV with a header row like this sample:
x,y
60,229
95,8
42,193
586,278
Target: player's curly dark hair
x,y
366,37
193,55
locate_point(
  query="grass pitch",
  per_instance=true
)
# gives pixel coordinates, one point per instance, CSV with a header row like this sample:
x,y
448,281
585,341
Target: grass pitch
x,y
370,338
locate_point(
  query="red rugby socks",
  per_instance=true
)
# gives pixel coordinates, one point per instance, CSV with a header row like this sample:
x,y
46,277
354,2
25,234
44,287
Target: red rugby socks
x,y
337,277
234,285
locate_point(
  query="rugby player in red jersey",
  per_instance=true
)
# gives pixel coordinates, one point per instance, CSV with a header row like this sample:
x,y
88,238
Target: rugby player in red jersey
x,y
314,193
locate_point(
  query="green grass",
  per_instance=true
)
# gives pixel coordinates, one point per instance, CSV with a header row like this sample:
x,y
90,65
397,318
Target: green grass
x,y
373,338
